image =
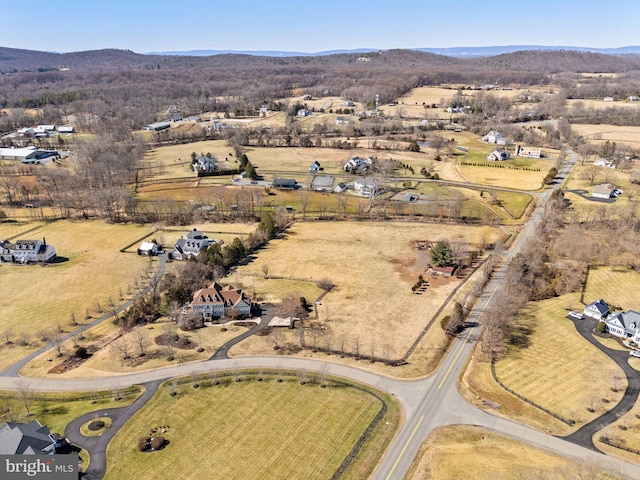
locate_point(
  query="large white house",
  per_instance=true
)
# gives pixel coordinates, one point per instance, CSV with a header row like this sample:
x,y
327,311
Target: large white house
x,y
367,186
26,251
191,244
26,439
624,325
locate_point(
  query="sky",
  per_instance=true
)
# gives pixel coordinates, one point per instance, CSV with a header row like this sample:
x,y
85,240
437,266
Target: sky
x,y
314,25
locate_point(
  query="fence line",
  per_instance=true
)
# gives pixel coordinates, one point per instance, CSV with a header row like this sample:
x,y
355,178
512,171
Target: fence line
x,y
570,422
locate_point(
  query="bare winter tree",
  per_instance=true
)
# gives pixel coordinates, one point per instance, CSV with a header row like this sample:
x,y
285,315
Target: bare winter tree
x,y
141,341
26,395
277,338
123,347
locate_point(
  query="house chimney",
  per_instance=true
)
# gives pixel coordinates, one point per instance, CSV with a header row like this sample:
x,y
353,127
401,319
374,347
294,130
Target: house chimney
x,y
44,240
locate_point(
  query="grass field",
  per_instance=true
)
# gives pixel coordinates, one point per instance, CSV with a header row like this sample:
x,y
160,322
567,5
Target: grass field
x,y
525,174
261,430
625,431
455,452
373,266
514,203
93,271
614,133
556,370
617,286
56,411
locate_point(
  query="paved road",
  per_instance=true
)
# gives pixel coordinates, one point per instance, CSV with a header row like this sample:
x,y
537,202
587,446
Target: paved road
x,y
584,435
97,446
428,403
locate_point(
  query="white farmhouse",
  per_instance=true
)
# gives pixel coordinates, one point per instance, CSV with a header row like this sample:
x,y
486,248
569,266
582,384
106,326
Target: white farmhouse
x,y
27,251
597,310
624,325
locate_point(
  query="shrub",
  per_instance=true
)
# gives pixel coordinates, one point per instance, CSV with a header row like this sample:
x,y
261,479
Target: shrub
x,y
95,425
602,327
143,444
80,352
157,443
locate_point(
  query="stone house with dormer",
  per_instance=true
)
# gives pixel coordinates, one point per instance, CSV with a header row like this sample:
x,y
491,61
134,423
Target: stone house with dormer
x,y
217,301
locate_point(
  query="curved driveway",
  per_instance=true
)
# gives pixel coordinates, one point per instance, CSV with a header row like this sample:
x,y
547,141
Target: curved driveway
x,y
428,403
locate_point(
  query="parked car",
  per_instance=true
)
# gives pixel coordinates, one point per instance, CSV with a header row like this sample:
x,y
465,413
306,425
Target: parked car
x,y
634,353
575,315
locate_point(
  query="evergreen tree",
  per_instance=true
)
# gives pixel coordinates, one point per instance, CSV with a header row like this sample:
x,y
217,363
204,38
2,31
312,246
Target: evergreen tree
x,y
441,254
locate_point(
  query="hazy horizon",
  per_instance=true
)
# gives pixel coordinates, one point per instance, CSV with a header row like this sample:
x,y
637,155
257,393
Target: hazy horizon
x,y
311,27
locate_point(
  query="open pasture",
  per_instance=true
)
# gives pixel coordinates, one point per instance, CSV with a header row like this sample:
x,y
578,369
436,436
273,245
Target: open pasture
x,y
618,286
91,270
264,430
520,173
462,451
374,266
622,135
549,363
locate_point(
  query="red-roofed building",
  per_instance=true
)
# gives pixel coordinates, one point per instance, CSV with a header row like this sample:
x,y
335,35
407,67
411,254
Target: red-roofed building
x,y
216,301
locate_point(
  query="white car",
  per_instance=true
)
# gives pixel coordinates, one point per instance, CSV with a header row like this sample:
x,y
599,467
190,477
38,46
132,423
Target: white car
x,y
575,315
634,353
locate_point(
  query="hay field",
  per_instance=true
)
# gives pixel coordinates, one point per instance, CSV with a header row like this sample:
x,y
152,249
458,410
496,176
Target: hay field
x,y
460,451
503,177
173,161
251,430
617,286
600,104
373,266
622,135
556,369
94,271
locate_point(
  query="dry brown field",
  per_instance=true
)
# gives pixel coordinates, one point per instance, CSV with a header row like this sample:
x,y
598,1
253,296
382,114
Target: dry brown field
x,y
461,451
93,271
555,370
622,135
600,104
373,266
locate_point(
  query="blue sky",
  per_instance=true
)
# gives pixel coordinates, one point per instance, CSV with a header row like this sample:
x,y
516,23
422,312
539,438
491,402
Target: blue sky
x,y
314,25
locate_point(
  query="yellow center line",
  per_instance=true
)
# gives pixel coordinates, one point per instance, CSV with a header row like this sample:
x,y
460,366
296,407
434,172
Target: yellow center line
x,y
405,447
455,359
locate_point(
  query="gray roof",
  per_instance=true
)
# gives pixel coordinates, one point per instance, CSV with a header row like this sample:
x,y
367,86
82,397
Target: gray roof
x,y
599,305
25,438
630,320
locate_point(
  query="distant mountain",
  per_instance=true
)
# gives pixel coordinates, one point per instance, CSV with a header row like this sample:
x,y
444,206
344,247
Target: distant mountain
x,y
499,50
259,53
451,52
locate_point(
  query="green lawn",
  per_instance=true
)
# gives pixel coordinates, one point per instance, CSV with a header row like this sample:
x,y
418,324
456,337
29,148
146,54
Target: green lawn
x,y
514,203
247,430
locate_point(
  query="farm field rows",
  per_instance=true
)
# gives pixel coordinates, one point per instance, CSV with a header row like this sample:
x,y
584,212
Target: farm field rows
x,y
555,369
314,429
617,286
